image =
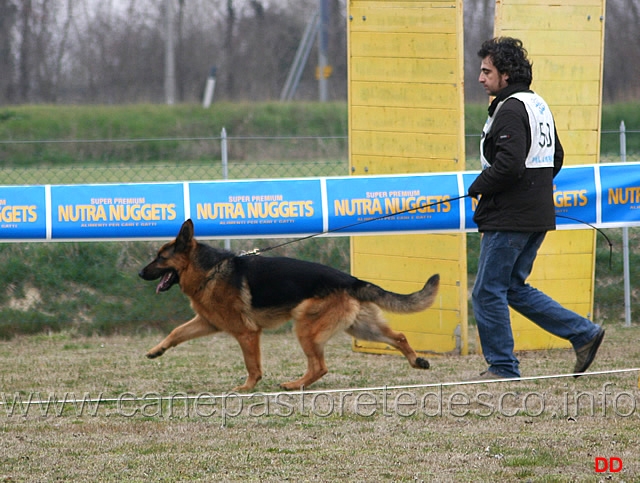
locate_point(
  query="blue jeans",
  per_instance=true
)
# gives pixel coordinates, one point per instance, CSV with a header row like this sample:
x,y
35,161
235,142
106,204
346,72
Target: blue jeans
x,y
506,260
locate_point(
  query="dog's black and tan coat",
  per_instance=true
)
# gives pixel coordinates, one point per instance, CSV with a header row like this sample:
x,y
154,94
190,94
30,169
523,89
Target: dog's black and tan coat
x,y
241,295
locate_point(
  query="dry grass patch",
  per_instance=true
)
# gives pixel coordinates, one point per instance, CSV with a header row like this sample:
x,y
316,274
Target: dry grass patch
x,y
406,425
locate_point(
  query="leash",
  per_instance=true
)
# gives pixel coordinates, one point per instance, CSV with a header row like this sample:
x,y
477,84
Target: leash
x,y
598,230
257,251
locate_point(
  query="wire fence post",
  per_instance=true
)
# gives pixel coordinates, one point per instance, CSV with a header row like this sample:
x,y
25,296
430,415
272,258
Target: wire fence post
x,y
625,239
225,170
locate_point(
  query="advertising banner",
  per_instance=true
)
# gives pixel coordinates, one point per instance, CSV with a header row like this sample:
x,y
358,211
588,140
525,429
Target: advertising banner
x,y
620,195
576,197
22,212
601,195
130,211
259,208
399,204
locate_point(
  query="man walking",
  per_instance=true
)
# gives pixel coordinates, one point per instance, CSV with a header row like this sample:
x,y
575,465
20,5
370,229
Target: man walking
x,y
521,154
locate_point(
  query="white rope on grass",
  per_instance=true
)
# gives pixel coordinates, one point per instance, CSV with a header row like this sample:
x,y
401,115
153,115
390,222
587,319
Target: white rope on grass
x,y
149,397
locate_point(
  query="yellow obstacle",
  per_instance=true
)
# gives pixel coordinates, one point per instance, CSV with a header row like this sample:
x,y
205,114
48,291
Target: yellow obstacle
x,y
406,115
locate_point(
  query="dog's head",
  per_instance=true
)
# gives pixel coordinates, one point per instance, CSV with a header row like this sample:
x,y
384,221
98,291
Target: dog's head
x,y
172,259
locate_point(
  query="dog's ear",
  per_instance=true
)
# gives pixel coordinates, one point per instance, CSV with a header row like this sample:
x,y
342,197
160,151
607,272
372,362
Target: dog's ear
x,y
184,238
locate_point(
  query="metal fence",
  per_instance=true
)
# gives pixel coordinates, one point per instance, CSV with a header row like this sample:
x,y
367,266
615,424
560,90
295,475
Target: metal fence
x,y
37,276
210,158
170,159
626,263
620,145
107,295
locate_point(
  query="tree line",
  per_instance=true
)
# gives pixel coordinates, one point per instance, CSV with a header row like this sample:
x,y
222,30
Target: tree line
x,y
113,51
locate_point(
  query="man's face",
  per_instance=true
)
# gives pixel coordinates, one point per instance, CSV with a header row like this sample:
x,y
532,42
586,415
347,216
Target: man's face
x,y
492,80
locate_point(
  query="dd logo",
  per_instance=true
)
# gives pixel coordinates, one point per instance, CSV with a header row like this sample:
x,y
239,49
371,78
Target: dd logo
x,y
612,465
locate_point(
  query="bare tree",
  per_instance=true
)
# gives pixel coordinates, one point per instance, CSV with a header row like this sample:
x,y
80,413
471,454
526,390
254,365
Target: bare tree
x,y
229,48
50,36
112,51
622,53
24,69
478,26
8,18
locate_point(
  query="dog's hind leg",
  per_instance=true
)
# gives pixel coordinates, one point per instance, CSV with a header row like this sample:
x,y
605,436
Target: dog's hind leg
x,y
250,344
370,325
316,365
316,321
196,327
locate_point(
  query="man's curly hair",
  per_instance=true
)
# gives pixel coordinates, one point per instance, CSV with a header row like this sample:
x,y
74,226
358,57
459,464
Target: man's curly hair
x,y
509,57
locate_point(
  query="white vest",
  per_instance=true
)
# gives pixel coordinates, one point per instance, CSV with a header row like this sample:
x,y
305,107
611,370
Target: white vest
x,y
543,140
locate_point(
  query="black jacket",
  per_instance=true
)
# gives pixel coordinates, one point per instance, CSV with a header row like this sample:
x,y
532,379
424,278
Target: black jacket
x,y
513,197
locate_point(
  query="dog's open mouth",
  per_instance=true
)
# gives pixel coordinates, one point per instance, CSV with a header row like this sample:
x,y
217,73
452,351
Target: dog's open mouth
x,y
168,279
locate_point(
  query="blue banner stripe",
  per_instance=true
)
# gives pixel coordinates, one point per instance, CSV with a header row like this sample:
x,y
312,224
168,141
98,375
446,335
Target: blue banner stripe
x,y
602,195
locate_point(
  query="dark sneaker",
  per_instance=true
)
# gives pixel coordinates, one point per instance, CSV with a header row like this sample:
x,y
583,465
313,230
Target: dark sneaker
x,y
488,376
587,353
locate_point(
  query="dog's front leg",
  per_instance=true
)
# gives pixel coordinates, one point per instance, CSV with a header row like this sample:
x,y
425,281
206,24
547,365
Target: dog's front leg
x,y
250,345
196,327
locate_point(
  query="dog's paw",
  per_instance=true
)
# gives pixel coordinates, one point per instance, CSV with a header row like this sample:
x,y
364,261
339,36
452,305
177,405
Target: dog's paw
x,y
153,353
422,363
249,383
289,386
243,388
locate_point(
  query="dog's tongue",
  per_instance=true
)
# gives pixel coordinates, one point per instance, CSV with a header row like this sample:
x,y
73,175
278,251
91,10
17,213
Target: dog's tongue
x,y
163,282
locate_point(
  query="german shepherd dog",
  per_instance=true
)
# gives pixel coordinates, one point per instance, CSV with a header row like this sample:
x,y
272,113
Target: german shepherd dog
x,y
244,294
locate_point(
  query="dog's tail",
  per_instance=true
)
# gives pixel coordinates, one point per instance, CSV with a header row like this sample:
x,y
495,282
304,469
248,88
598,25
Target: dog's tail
x,y
399,303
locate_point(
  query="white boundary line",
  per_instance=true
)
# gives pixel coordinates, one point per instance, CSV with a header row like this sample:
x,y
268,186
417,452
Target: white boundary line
x,y
150,396
325,205
462,201
48,215
598,186
186,195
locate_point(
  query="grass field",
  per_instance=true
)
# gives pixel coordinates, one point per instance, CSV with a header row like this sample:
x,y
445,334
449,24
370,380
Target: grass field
x,y
401,425
95,412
